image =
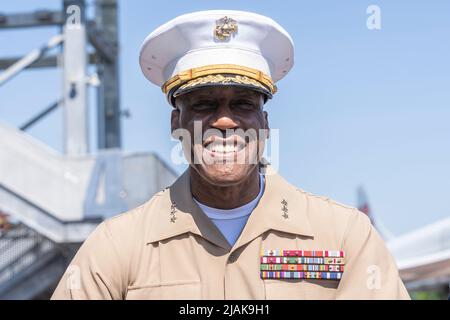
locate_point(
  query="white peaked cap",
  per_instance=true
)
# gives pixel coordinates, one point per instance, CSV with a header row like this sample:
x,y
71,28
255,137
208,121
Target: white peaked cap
x,y
216,43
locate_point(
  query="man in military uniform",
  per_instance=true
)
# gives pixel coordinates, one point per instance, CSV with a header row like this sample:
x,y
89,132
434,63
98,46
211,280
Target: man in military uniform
x,y
229,227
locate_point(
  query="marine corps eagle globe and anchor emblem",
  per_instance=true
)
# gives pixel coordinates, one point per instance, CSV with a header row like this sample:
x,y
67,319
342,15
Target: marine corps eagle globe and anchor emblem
x,y
225,27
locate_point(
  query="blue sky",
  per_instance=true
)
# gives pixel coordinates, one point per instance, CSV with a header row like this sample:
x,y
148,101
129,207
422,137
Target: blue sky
x,y
360,106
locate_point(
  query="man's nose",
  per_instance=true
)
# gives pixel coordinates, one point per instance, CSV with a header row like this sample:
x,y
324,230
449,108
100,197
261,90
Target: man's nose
x,y
224,123
224,120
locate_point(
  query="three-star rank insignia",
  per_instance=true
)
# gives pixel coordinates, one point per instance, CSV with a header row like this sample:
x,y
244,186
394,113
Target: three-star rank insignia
x,y
173,210
284,209
302,264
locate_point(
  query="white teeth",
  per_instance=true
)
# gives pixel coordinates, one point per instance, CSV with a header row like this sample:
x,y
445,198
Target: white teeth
x,y
223,147
220,148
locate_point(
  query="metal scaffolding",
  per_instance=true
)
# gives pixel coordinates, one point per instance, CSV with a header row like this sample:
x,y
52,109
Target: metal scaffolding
x,y
56,199
76,32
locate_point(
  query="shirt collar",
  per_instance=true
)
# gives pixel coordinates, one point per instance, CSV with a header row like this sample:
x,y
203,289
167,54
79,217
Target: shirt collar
x,y
282,207
238,212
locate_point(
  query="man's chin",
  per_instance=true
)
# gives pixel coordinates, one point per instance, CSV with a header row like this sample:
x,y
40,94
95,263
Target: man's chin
x,y
224,174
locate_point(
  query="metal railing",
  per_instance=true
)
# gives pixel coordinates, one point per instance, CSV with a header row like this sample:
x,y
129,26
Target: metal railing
x,y
24,251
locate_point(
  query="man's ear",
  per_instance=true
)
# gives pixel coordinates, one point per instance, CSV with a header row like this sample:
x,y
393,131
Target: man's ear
x,y
266,123
175,120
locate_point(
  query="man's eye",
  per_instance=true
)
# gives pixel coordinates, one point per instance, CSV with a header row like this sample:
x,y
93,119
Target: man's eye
x,y
244,105
202,106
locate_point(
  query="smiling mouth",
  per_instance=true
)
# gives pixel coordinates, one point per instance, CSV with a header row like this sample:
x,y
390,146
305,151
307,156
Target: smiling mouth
x,y
224,146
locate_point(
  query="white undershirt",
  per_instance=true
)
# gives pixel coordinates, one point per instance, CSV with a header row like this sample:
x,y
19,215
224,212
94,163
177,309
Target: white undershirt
x,y
231,222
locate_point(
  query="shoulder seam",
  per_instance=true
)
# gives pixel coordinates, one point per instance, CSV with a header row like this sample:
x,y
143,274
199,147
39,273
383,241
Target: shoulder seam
x,y
131,211
325,199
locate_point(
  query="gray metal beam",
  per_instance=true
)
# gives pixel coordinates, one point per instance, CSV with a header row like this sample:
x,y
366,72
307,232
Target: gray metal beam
x,y
38,18
29,59
40,116
109,128
44,62
103,48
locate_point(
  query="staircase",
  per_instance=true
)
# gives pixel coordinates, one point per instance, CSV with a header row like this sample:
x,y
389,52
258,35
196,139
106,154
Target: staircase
x,y
30,264
57,201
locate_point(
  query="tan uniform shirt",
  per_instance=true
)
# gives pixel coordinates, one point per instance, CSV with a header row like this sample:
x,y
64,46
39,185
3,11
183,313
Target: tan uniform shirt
x,y
169,249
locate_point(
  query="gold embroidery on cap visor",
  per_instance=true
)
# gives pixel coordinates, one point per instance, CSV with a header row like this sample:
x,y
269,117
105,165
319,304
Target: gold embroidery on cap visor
x,y
248,76
219,79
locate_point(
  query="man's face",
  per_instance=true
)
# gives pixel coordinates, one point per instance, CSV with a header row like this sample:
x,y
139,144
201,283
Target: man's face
x,y
233,131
